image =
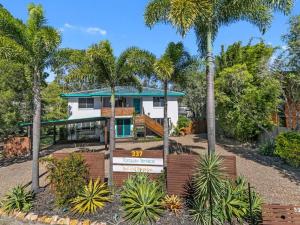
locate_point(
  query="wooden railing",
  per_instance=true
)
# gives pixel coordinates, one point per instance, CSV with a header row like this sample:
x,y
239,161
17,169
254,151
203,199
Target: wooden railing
x,y
150,124
119,111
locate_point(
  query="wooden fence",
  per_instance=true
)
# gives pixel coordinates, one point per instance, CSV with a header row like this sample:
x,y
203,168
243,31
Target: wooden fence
x,y
273,214
181,168
94,161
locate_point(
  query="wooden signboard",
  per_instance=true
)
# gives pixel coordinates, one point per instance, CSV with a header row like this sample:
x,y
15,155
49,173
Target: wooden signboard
x,y
280,214
180,169
127,162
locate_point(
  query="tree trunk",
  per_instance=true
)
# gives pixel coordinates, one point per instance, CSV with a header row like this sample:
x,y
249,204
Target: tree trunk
x,y
210,108
111,136
36,131
166,124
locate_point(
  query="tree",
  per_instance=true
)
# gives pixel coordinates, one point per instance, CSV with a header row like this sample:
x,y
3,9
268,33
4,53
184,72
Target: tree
x,y
206,17
32,44
245,102
54,107
171,67
287,69
111,71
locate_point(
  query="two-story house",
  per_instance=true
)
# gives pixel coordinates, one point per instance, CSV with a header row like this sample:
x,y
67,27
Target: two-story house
x,y
140,112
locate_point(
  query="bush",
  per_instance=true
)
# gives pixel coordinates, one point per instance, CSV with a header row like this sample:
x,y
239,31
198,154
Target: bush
x,y
287,147
229,201
173,203
267,148
183,122
92,197
68,177
18,199
141,200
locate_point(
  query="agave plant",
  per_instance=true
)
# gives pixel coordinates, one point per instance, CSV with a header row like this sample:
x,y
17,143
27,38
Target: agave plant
x,y
93,197
173,203
18,199
141,200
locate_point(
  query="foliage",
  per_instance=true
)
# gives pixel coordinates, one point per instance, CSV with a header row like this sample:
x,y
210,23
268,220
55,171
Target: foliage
x,y
183,122
177,131
92,197
173,203
68,176
141,200
267,148
55,107
253,56
288,147
245,103
18,199
211,191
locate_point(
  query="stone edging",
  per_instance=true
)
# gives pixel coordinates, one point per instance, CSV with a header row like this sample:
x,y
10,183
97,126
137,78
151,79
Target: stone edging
x,y
32,217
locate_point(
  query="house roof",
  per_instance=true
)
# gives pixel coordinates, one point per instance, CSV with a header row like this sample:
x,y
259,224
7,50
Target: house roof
x,y
122,91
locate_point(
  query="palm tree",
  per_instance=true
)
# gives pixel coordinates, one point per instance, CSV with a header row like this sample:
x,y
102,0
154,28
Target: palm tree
x,y
111,71
32,44
206,17
171,67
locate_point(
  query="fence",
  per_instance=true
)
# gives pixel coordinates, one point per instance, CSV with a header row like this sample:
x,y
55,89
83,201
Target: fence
x,y
273,214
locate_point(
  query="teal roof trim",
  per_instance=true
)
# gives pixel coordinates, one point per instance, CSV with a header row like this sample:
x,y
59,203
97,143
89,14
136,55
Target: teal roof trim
x,y
123,91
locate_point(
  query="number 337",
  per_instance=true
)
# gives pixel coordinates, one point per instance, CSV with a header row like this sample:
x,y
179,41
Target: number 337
x,y
136,153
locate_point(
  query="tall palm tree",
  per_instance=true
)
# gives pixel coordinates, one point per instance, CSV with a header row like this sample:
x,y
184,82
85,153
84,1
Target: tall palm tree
x,y
33,44
206,17
111,71
171,67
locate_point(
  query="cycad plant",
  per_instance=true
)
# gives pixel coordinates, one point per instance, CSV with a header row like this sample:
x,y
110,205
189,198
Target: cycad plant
x,y
18,199
141,200
93,197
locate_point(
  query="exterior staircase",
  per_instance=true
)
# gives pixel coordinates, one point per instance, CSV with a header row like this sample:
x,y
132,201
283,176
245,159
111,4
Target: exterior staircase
x,y
145,121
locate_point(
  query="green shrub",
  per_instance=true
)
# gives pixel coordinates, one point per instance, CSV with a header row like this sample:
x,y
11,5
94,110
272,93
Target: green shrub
x,y
267,148
18,199
93,196
287,147
141,200
183,122
229,201
68,176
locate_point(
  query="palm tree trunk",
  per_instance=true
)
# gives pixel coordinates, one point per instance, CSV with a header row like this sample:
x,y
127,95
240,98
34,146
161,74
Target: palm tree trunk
x,y
210,108
111,136
36,131
166,124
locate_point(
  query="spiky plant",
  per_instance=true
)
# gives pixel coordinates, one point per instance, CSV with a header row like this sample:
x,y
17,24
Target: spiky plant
x,y
93,197
18,199
141,200
209,178
173,203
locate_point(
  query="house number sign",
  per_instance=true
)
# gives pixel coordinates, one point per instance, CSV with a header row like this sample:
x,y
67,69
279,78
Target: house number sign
x,y
137,162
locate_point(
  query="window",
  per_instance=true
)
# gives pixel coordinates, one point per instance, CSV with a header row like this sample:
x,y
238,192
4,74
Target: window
x,y
86,103
158,101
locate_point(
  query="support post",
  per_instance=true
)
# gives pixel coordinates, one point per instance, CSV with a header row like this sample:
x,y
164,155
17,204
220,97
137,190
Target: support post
x,y
54,134
105,135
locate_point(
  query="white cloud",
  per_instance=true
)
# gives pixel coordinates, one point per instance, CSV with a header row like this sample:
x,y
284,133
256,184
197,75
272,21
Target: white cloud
x,y
284,47
88,30
95,30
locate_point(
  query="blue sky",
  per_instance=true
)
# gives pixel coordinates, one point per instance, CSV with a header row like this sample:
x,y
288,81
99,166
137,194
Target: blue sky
x,y
83,23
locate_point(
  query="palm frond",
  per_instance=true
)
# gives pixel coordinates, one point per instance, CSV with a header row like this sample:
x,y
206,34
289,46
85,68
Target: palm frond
x,y
157,11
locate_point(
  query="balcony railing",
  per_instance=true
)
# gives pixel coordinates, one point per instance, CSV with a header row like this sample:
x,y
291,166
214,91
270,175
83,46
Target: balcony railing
x,y
119,111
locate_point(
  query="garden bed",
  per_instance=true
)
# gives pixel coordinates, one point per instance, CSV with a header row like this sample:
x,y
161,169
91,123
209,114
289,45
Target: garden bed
x,y
44,204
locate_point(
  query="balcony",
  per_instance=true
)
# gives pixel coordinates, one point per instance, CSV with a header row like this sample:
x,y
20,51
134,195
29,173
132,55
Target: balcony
x,y
119,111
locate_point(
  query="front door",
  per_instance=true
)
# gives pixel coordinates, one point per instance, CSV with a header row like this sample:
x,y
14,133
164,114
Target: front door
x,y
123,127
137,105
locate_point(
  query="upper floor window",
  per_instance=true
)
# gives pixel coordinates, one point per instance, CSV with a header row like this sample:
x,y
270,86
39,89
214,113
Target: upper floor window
x,y
158,101
86,103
